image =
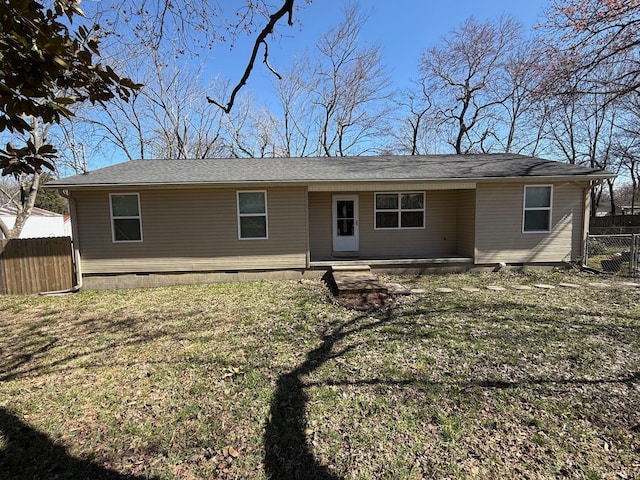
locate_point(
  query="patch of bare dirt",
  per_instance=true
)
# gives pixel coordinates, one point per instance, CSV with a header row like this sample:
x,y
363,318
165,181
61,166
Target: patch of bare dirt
x,y
366,302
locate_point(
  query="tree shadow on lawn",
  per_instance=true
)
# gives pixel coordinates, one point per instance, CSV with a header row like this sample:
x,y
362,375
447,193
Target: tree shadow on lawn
x,y
28,454
288,453
32,359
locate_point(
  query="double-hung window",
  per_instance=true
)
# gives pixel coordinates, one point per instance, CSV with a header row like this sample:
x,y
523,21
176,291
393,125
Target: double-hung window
x,y
536,216
399,210
126,221
252,215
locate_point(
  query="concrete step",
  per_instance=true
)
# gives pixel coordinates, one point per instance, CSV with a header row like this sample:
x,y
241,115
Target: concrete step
x,y
358,282
350,268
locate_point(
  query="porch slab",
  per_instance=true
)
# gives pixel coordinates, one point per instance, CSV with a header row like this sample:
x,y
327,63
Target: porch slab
x,y
382,262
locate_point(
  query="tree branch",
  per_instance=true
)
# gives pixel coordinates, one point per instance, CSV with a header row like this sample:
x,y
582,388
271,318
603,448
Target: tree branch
x,y
10,196
286,9
266,60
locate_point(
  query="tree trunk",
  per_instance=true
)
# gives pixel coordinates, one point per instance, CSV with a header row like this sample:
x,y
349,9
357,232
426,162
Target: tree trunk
x,y
612,200
28,193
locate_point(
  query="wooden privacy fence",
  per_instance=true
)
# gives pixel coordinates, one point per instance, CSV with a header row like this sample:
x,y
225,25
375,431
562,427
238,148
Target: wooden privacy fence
x,y
614,224
615,221
33,265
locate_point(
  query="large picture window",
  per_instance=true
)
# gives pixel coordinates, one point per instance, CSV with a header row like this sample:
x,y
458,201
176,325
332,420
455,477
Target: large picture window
x,y
399,210
126,221
252,215
537,208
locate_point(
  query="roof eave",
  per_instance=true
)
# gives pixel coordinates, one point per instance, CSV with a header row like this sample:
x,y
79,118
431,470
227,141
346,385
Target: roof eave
x,y
542,178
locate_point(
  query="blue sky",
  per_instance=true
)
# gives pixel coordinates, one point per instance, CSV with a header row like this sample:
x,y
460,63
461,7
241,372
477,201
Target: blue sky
x,y
404,28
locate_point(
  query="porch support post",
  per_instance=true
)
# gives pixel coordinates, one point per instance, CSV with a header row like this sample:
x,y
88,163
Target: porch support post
x,y
586,214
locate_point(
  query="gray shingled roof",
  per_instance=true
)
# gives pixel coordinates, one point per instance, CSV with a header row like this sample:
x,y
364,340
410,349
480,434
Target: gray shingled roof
x,y
332,169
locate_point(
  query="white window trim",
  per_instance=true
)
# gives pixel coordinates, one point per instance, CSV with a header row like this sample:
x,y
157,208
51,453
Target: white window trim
x,y
131,217
400,210
549,209
265,215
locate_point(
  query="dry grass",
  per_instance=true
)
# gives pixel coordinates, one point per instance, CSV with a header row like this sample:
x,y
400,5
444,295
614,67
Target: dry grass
x,y
270,380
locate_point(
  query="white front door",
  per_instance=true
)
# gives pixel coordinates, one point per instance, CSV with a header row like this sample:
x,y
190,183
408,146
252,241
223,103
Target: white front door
x,y
345,223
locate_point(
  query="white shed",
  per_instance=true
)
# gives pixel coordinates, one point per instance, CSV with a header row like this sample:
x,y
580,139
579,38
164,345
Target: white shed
x,y
41,223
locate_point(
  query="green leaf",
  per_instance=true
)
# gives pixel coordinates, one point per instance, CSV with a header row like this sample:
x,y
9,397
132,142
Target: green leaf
x,y
64,101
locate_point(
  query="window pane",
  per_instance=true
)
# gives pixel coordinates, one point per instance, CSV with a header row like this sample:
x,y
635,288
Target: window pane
x,y
346,228
412,219
253,227
536,220
538,197
412,200
251,202
124,205
126,229
345,209
386,201
386,220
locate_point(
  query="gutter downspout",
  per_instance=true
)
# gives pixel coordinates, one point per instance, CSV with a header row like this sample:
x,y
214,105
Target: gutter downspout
x,y
76,250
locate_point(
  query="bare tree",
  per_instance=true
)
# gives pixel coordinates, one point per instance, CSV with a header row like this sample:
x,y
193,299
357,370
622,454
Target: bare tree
x,y
121,125
583,128
582,36
188,28
515,88
184,124
295,92
590,69
168,117
351,90
9,191
630,160
627,143
416,129
21,195
251,132
462,74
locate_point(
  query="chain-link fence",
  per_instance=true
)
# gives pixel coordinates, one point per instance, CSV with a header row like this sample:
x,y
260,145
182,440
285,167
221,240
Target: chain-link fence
x,y
614,254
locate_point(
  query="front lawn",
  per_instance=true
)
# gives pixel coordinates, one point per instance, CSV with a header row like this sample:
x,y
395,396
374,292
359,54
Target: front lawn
x,y
270,380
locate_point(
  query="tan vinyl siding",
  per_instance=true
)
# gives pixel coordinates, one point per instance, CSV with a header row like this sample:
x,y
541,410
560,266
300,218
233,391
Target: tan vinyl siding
x,y
320,223
193,230
438,238
466,223
499,236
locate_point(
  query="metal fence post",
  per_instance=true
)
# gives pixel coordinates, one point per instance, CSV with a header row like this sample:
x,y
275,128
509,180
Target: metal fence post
x,y
614,254
633,260
585,260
